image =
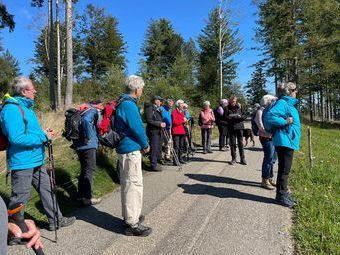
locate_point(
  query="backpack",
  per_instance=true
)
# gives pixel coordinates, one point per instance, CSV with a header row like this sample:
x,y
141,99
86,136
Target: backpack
x,y
3,139
200,121
254,126
266,119
73,118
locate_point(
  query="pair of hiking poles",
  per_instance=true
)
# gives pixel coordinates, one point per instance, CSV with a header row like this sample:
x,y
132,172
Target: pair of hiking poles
x,y
172,150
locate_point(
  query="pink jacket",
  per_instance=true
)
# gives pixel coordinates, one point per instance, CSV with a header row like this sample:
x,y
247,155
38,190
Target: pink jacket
x,y
207,117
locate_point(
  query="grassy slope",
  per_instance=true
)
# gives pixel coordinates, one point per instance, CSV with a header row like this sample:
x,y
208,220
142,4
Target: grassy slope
x,y
317,226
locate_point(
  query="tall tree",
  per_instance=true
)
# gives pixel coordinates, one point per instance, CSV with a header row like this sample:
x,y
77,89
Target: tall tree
x,y
69,55
9,69
209,59
256,87
6,19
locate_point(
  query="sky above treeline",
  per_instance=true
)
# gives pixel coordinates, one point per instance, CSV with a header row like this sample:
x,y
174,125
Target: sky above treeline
x,y
187,16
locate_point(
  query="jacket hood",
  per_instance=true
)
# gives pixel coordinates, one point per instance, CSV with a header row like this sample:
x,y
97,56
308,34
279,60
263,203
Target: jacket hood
x,y
127,96
290,100
19,100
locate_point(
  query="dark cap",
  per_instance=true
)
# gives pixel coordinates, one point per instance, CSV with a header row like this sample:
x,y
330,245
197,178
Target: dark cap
x,y
154,98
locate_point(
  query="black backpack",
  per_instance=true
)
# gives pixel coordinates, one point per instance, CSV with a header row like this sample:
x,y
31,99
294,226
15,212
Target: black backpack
x,y
73,118
254,126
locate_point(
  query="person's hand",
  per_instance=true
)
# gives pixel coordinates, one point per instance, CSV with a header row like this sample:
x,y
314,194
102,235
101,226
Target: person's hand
x,y
33,235
185,119
50,133
163,125
146,150
289,120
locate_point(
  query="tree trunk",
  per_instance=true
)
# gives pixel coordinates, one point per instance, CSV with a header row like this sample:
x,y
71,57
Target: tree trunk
x,y
310,106
51,58
59,101
69,55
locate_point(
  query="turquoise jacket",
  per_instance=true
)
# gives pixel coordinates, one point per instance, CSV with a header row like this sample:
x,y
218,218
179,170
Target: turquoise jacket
x,y
26,141
128,124
286,135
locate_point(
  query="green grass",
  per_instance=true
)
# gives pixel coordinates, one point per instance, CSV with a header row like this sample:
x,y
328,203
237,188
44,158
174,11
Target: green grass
x,y
317,226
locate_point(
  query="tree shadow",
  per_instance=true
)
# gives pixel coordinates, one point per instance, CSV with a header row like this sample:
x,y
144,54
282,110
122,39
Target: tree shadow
x,y
101,219
221,179
197,159
202,189
253,148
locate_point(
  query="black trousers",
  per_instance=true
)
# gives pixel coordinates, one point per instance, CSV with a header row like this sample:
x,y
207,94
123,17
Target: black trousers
x,y
87,160
236,134
285,157
156,141
179,142
223,136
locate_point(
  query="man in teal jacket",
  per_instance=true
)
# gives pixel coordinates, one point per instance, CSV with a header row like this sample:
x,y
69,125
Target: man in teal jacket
x,y
26,151
284,118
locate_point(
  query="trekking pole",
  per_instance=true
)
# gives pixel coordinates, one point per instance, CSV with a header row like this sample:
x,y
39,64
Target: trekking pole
x,y
15,216
174,154
51,174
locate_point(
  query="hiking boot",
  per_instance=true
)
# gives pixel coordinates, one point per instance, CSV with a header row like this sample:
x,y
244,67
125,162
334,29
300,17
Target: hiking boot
x,y
204,152
233,162
140,220
140,230
291,198
156,169
91,201
284,201
210,151
63,222
266,184
272,182
243,162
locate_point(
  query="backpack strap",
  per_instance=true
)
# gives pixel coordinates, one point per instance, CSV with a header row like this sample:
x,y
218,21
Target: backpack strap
x,y
21,111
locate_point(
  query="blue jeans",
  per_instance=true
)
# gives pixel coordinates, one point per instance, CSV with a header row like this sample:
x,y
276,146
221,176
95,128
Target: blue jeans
x,y
269,157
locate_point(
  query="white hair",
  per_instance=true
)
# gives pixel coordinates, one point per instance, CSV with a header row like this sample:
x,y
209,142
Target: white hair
x,y
134,82
267,99
206,103
286,89
179,102
19,84
224,102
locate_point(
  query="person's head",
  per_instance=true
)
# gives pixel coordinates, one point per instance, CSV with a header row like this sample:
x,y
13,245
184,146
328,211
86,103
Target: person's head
x,y
223,102
179,104
267,99
233,101
22,86
169,102
157,100
287,89
185,106
206,104
134,86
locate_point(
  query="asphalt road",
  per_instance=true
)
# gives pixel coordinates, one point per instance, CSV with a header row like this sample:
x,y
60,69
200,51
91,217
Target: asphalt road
x,y
210,207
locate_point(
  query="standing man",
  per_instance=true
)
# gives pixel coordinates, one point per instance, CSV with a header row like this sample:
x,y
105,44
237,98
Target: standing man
x,y
129,125
167,139
221,124
235,117
154,127
86,147
26,151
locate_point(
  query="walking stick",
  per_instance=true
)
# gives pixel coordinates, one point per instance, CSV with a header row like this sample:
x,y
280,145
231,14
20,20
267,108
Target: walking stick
x,y
15,216
174,154
51,174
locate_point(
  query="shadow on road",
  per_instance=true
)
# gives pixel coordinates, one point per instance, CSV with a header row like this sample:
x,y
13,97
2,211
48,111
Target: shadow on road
x,y
253,148
101,219
221,179
202,189
197,159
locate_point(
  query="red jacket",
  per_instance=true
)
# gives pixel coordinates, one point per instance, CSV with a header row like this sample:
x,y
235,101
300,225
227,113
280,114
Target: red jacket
x,y
177,122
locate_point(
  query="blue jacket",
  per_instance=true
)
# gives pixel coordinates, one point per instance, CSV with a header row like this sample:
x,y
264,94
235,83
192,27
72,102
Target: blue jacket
x,y
87,130
128,123
285,135
26,149
166,114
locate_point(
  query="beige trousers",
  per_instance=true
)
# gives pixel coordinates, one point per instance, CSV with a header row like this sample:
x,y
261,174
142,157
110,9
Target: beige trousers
x,y
131,181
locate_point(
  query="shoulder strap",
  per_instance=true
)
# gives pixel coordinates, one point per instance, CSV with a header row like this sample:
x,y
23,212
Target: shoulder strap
x,y
21,111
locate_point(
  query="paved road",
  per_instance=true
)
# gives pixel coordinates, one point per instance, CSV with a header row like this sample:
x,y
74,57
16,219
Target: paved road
x,y
210,207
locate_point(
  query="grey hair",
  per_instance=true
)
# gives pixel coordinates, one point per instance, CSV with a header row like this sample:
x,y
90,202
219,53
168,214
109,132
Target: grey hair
x,y
133,82
286,89
19,84
178,102
168,101
206,103
267,99
224,102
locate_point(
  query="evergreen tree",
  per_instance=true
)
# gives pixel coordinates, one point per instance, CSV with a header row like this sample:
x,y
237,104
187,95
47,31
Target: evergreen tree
x,y
256,87
6,19
9,69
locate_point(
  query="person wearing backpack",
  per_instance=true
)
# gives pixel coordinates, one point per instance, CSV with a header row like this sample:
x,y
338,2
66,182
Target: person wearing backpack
x,y
178,131
86,147
26,151
134,142
235,116
284,119
222,124
269,153
207,119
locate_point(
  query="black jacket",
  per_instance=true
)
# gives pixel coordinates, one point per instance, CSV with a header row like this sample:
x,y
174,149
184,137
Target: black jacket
x,y
235,117
153,118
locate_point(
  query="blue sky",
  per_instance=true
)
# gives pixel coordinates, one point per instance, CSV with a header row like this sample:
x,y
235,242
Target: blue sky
x,y
187,16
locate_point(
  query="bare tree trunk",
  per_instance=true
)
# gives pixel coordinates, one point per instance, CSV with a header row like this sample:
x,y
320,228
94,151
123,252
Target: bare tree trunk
x,y
51,57
310,106
69,55
59,101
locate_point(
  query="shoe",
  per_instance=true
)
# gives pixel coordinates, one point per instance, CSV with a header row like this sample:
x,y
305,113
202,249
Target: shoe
x,y
272,182
266,184
204,152
233,162
63,222
210,151
140,220
91,201
291,198
156,169
183,162
284,201
243,162
140,230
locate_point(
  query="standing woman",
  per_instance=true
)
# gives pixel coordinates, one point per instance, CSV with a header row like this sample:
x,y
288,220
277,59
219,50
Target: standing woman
x,y
207,119
222,124
177,130
284,118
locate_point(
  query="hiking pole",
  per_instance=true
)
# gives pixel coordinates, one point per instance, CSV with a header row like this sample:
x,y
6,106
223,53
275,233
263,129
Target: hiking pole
x,y
174,154
15,216
51,174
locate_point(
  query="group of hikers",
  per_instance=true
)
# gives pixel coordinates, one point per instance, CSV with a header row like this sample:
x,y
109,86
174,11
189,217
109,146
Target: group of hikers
x,y
167,137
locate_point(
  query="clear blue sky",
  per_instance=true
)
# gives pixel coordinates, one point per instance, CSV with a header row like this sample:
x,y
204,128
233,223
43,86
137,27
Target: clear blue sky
x,y
187,16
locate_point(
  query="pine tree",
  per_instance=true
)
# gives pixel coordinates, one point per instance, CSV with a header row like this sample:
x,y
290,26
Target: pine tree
x,y
256,87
